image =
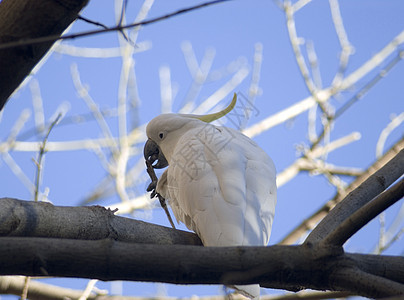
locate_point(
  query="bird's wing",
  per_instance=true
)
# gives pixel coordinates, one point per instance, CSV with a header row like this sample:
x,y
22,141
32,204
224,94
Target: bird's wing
x,y
261,192
213,187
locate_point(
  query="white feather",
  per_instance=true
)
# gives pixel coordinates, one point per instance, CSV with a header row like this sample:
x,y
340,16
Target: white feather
x,y
220,184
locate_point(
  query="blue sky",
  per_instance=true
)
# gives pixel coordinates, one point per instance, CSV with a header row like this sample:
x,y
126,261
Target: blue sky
x,y
232,29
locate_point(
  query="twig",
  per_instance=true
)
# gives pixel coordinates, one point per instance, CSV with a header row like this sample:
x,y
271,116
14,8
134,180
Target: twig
x,y
254,88
25,289
41,154
89,288
295,42
346,47
291,171
83,93
359,95
373,62
152,187
299,5
52,38
199,74
386,132
18,172
80,17
39,116
38,290
13,285
324,94
223,91
395,238
364,215
18,125
166,92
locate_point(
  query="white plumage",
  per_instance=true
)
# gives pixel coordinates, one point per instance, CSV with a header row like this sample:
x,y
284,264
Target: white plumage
x,y
219,183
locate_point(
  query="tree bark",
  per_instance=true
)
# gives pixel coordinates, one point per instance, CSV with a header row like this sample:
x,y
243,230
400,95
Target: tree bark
x,y
40,239
286,267
369,189
309,223
21,20
90,242
40,219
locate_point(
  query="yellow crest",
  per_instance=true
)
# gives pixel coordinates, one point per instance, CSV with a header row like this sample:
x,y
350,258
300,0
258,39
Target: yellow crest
x,y
212,117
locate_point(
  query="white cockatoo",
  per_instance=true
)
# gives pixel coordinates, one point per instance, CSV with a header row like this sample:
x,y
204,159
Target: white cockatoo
x,y
219,182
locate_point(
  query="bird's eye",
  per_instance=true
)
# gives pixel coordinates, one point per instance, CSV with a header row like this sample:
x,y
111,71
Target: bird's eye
x,y
161,135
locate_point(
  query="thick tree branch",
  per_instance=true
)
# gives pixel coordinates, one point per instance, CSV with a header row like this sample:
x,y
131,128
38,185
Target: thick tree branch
x,y
371,285
285,267
106,257
364,215
21,19
40,219
369,189
310,222
376,265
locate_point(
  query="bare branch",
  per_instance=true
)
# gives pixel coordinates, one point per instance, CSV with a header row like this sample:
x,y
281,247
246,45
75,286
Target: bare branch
x,y
42,151
41,219
346,47
324,94
375,79
87,291
395,122
283,267
310,222
372,286
365,214
80,17
376,60
42,291
369,189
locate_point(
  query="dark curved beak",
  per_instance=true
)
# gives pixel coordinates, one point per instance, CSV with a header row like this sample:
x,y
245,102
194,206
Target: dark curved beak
x,y
152,153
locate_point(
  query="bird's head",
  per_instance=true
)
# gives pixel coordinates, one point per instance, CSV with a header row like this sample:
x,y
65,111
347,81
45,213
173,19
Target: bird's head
x,y
164,131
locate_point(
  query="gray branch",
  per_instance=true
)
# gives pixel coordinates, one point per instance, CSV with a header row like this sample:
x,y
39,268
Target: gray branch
x,y
39,219
365,214
310,222
369,189
285,267
40,239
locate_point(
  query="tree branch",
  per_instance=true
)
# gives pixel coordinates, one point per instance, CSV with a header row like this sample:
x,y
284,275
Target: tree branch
x,y
376,265
37,290
19,21
364,215
369,189
310,222
42,291
372,286
41,219
285,267
124,249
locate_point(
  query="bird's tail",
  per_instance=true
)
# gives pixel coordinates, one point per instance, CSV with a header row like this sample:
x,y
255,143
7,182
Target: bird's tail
x,y
251,291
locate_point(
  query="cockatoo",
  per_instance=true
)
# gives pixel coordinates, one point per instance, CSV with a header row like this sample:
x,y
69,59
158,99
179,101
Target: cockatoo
x,y
219,182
